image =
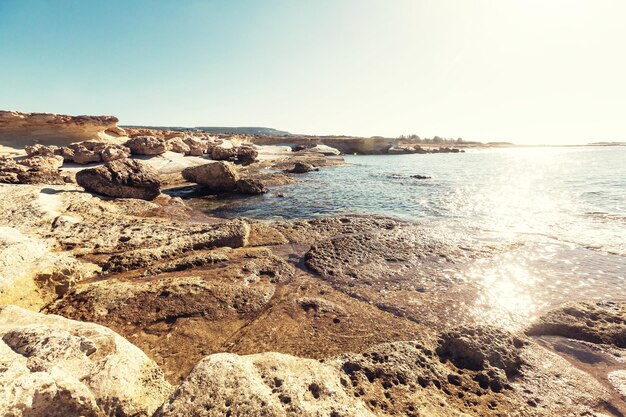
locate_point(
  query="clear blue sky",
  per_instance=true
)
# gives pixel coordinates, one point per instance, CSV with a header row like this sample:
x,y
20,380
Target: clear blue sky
x,y
528,71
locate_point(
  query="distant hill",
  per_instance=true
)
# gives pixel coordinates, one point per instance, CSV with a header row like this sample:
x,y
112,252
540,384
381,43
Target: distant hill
x,y
608,144
260,131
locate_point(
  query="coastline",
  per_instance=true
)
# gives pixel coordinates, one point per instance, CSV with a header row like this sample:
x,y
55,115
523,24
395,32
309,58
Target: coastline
x,y
342,315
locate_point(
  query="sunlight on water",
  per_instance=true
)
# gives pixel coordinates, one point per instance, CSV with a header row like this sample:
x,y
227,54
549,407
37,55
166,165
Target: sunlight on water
x,y
565,206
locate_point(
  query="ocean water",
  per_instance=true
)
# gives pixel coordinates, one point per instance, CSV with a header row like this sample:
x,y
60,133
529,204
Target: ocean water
x,y
566,206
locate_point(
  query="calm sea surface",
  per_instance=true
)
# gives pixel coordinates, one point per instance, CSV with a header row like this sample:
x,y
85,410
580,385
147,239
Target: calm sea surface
x,y
565,206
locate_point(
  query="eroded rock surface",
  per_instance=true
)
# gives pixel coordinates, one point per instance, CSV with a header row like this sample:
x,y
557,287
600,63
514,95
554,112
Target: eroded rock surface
x,y
215,176
51,366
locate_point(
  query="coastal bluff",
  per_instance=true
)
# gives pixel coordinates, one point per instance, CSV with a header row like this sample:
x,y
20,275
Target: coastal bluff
x,y
19,129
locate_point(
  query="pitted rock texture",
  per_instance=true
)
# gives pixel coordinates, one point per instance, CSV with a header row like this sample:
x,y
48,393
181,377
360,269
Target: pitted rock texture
x,y
125,178
146,145
51,366
599,322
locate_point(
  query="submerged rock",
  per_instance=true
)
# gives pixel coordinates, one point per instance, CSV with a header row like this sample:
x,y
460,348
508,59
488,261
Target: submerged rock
x,y
125,178
216,176
52,366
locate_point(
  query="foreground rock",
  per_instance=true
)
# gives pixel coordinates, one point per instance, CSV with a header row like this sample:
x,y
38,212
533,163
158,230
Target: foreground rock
x,y
270,384
216,176
126,178
52,366
250,186
20,129
36,169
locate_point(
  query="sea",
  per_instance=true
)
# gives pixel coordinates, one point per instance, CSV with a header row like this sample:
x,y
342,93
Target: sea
x,y
564,208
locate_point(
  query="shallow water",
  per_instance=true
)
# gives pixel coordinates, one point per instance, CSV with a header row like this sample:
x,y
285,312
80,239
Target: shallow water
x,y
566,206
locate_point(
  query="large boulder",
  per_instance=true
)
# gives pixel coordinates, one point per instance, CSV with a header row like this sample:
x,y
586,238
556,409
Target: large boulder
x,y
197,147
177,145
50,163
216,176
37,169
52,366
221,153
146,145
123,178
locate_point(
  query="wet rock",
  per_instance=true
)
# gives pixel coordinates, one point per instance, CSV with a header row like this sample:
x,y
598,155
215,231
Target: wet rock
x,y
215,176
146,145
250,186
480,348
599,322
52,366
268,384
302,168
124,178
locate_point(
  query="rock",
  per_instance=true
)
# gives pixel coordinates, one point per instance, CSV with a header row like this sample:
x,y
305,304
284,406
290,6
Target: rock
x,y
146,145
250,186
52,366
21,129
599,322
324,150
215,176
301,168
268,384
113,152
31,275
82,155
298,148
124,178
421,177
41,150
197,147
246,154
480,348
48,163
177,145
220,153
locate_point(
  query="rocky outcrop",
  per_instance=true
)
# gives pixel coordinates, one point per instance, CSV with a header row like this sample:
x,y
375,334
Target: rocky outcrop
x,y
52,366
216,176
246,154
125,178
302,168
35,169
21,129
146,145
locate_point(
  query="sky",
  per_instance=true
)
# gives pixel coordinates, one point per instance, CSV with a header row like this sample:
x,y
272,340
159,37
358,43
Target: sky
x,y
524,71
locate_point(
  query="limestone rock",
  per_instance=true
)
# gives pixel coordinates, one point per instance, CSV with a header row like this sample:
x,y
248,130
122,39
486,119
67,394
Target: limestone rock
x,y
324,150
146,145
250,186
52,366
124,178
37,149
48,163
215,176
20,129
197,146
246,154
113,152
177,145
599,322
302,168
220,153
268,384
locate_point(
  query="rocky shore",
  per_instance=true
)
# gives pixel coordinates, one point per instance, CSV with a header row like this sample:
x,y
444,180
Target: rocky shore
x,y
118,299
